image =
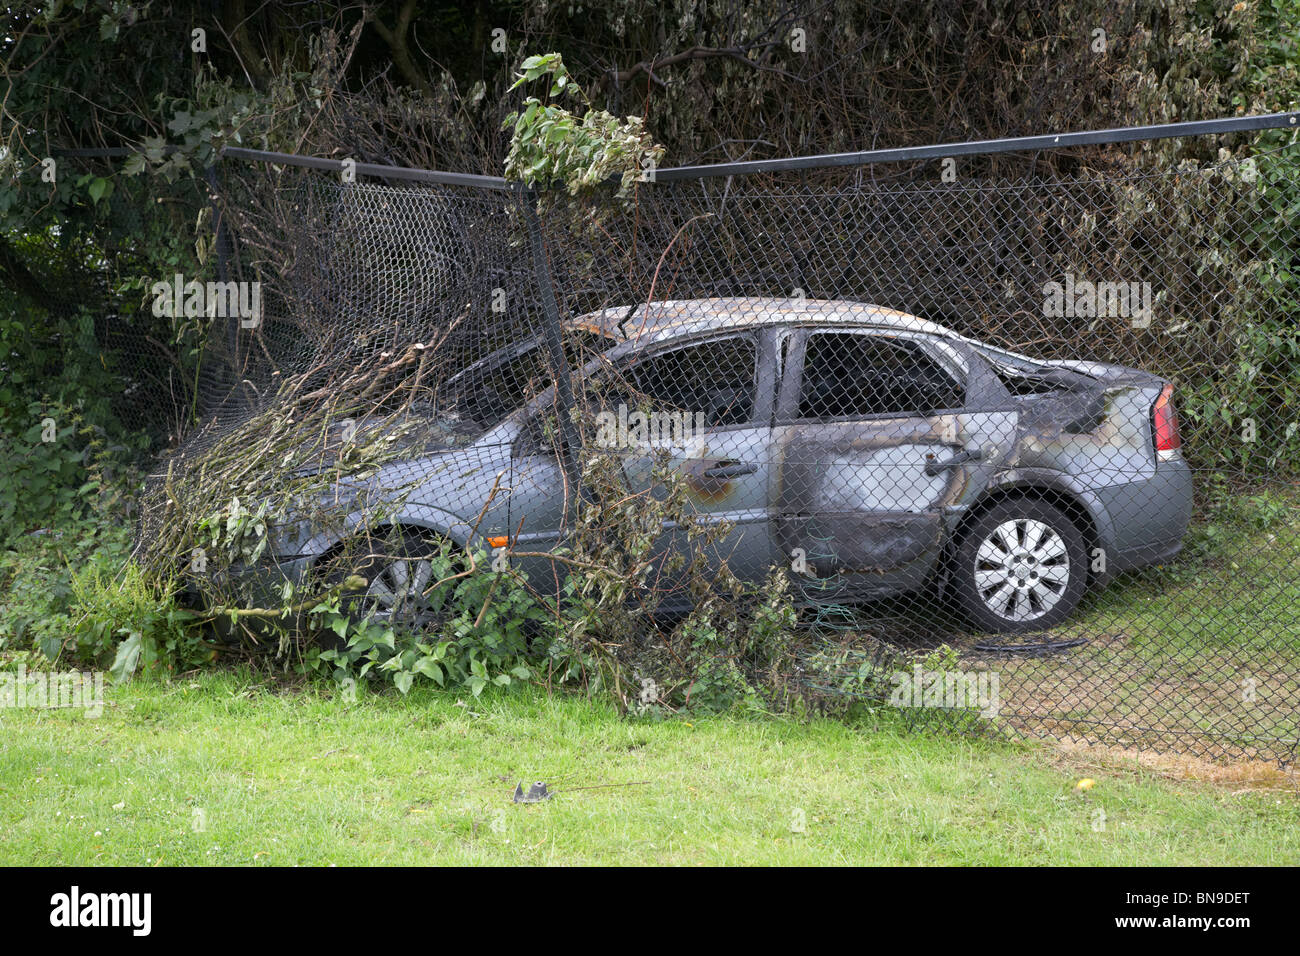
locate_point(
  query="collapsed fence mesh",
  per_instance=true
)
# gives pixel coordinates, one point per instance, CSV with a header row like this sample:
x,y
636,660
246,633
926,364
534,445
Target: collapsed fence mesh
x,y
1023,449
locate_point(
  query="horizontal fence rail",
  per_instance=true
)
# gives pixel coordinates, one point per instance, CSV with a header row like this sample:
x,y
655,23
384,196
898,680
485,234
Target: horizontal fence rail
x,y
1127,134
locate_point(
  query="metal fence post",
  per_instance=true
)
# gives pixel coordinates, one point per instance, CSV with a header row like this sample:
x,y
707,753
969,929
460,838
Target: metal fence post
x,y
570,438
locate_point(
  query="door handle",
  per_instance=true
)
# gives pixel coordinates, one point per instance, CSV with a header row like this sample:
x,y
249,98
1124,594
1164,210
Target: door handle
x,y
730,469
933,467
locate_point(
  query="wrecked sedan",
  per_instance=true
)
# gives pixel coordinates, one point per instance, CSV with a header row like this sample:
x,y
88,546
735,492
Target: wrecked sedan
x,y
870,452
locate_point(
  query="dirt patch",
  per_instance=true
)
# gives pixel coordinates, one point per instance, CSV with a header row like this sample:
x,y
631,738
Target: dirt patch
x,y
1238,776
1116,692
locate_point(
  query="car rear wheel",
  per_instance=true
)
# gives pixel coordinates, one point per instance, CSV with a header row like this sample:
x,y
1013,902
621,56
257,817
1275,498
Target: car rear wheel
x,y
1021,566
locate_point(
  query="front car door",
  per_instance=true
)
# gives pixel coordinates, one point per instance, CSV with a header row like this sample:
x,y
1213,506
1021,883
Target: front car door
x,y
705,409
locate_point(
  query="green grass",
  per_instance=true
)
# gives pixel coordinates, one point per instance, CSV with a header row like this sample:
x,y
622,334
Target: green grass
x,y
235,768
1232,589
279,777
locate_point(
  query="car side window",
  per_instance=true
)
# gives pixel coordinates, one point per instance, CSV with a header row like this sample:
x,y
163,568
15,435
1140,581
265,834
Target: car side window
x,y
715,379
850,375
538,435
712,382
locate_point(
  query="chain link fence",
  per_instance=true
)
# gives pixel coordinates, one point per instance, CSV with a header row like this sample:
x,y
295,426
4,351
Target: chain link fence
x,y
1021,449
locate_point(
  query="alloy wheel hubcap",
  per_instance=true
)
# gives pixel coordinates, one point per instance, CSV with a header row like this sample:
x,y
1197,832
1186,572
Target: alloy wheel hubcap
x,y
396,592
1022,569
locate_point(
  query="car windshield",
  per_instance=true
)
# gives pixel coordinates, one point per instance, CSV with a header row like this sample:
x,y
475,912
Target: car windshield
x,y
483,395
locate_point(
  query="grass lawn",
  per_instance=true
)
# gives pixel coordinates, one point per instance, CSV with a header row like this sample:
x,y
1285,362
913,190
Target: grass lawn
x,y
1231,592
223,769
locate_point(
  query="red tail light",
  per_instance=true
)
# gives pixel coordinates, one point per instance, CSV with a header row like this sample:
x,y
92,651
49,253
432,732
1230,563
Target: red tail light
x,y
1164,422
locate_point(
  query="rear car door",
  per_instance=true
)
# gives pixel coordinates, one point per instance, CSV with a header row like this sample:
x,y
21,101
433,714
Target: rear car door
x,y
873,447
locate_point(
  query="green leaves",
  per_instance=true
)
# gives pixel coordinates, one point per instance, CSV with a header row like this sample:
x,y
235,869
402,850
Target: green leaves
x,y
100,188
239,535
45,445
548,63
97,187
551,147
339,625
128,657
491,630
430,668
135,164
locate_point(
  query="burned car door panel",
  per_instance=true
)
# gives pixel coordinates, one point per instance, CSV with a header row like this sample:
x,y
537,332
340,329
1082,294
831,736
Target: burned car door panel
x,y
698,405
697,408
875,449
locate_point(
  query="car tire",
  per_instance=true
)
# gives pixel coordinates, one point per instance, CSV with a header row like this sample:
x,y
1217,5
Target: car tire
x,y
398,566
1020,567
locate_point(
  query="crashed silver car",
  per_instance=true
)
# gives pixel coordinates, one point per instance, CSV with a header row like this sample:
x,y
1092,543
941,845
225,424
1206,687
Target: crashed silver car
x,y
860,447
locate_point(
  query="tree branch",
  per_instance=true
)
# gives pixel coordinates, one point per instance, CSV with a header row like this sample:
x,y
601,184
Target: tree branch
x,y
395,37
